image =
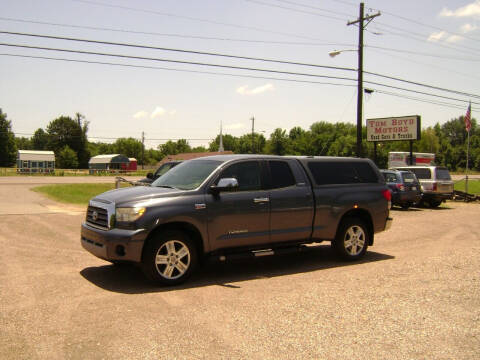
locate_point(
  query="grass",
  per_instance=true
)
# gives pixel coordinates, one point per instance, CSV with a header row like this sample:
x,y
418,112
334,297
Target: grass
x,y
473,186
73,193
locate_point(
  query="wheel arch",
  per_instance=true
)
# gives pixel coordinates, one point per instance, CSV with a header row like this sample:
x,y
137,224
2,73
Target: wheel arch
x,y
189,229
363,215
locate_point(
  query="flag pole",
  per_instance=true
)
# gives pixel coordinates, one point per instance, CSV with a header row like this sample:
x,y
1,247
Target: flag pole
x,y
466,170
468,126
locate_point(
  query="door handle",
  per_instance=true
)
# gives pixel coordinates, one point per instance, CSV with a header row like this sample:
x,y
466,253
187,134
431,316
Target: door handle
x,y
261,200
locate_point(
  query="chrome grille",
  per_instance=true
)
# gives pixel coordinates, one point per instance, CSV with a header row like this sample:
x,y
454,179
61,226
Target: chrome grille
x,y
97,216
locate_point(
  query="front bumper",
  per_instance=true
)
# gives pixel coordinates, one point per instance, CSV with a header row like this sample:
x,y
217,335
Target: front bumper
x,y
114,244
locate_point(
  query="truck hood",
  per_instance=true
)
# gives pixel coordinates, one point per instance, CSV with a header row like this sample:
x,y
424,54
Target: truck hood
x,y
136,194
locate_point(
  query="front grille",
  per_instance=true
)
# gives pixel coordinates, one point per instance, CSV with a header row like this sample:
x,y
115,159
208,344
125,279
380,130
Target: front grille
x,y
97,216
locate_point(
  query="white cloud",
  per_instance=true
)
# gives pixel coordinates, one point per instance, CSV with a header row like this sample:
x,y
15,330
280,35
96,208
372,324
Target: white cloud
x,y
159,111
470,10
243,90
140,115
466,28
235,126
437,36
454,39
172,112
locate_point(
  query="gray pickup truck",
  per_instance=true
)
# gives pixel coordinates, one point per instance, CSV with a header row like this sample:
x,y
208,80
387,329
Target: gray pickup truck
x,y
229,206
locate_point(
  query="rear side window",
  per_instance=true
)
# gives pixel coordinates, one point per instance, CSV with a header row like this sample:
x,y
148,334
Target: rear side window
x,y
443,174
341,172
365,172
390,177
422,173
281,174
408,177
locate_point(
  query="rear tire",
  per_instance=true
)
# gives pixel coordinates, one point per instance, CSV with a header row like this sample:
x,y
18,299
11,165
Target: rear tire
x,y
352,239
169,258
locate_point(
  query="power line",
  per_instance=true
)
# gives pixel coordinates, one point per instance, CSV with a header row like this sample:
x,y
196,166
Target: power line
x,y
456,106
421,84
296,10
223,66
425,64
429,26
174,69
213,22
173,35
176,61
422,38
422,53
238,57
175,50
313,7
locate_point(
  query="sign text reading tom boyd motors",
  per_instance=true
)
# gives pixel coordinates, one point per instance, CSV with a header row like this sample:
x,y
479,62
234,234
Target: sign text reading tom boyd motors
x,y
394,128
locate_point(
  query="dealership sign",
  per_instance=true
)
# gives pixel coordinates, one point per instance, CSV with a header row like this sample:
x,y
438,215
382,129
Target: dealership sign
x,y
394,128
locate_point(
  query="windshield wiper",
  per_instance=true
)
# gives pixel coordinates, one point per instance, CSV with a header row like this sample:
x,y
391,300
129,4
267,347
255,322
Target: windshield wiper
x,y
167,186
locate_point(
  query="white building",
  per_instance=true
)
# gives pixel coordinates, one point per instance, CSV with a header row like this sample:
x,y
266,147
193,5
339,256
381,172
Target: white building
x,y
32,161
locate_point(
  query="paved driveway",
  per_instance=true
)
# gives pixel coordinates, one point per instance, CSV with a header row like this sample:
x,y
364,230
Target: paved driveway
x,y
415,296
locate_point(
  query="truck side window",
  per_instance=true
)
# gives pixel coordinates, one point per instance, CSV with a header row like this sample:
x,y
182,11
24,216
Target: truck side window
x,y
281,174
247,174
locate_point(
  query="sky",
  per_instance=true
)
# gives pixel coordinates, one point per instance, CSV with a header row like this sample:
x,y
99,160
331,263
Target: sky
x,y
432,42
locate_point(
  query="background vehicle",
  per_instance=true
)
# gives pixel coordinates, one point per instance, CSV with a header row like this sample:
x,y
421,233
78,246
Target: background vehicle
x,y
151,177
231,206
402,158
437,185
406,189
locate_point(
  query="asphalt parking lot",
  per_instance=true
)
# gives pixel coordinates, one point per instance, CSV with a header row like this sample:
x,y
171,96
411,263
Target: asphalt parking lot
x,y
416,295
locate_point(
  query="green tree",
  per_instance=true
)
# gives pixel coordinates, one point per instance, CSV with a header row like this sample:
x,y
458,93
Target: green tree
x,y
129,147
248,145
229,143
23,143
279,143
67,158
8,148
174,148
64,131
40,140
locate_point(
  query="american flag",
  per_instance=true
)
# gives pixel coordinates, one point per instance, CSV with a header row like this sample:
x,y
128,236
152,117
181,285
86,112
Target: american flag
x,y
468,123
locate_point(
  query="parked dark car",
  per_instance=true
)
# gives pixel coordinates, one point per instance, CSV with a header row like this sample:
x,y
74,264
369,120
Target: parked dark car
x,y
151,177
405,187
230,206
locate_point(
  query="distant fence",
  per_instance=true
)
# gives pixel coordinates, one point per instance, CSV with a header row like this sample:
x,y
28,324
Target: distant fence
x,y
72,172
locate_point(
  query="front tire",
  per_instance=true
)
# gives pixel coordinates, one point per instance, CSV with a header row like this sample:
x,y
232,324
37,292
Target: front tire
x,y
352,239
169,258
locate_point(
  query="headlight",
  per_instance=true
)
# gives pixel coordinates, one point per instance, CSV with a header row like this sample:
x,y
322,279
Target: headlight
x,y
129,214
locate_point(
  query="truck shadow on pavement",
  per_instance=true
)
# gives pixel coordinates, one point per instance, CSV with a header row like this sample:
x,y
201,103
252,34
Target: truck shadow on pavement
x,y
128,279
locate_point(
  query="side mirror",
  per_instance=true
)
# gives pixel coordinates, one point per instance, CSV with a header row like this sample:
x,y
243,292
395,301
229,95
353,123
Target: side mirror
x,y
150,175
224,184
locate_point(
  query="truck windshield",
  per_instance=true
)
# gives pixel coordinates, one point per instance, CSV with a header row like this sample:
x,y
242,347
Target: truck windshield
x,y
188,175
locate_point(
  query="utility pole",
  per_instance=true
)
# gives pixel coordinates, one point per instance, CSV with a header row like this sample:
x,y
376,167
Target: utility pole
x,y
360,21
253,135
143,149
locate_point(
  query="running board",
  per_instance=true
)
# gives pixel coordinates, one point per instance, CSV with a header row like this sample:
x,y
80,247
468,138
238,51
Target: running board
x,y
259,253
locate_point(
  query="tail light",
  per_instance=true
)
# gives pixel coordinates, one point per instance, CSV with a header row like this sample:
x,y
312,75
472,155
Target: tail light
x,y
434,187
400,187
387,195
